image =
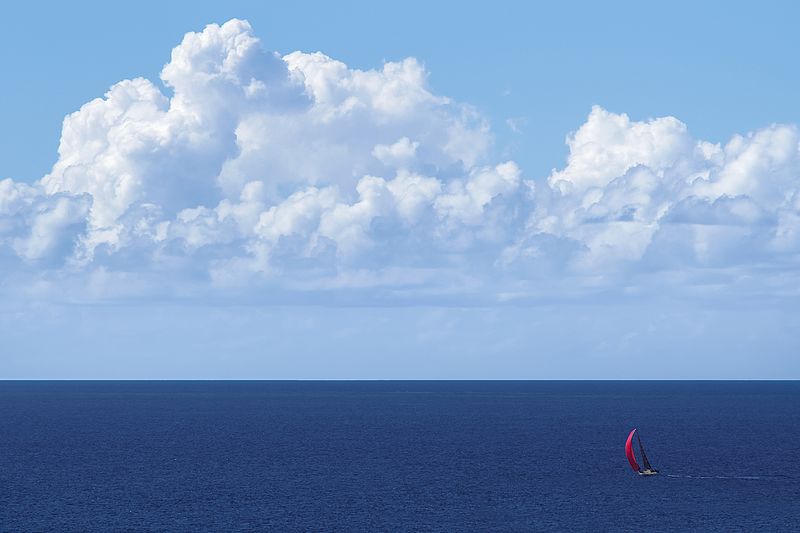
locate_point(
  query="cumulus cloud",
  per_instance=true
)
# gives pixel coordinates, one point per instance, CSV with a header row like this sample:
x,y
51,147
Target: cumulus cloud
x,y
249,169
640,190
37,227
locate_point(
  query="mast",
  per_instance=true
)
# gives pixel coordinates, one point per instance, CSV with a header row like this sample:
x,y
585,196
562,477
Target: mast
x,y
647,465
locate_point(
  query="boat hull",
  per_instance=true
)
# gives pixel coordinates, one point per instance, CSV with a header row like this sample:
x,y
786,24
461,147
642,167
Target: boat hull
x,y
648,472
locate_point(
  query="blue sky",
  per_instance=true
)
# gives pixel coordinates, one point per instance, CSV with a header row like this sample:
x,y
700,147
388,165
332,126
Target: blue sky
x,y
571,191
721,67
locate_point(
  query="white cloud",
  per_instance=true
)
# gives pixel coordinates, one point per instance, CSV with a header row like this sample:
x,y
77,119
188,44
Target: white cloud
x,y
646,195
39,228
516,124
298,172
398,154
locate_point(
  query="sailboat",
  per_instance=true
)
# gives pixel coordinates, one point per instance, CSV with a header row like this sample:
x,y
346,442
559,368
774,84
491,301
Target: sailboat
x,y
648,468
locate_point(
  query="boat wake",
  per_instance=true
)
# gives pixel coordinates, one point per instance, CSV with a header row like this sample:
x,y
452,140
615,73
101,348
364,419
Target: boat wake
x,y
649,470
683,476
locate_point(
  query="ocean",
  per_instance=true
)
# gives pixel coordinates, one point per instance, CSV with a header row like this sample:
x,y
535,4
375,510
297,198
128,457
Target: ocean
x,y
397,456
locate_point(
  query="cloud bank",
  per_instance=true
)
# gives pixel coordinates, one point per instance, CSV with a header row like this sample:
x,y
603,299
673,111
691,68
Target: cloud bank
x,y
249,173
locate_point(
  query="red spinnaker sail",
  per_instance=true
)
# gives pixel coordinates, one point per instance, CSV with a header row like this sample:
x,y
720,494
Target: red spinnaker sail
x,y
629,452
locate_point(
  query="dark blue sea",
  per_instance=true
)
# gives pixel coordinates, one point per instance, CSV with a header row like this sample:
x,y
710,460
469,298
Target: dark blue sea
x,y
397,456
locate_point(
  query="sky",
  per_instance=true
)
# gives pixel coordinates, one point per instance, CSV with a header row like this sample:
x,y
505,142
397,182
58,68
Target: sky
x,y
345,191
